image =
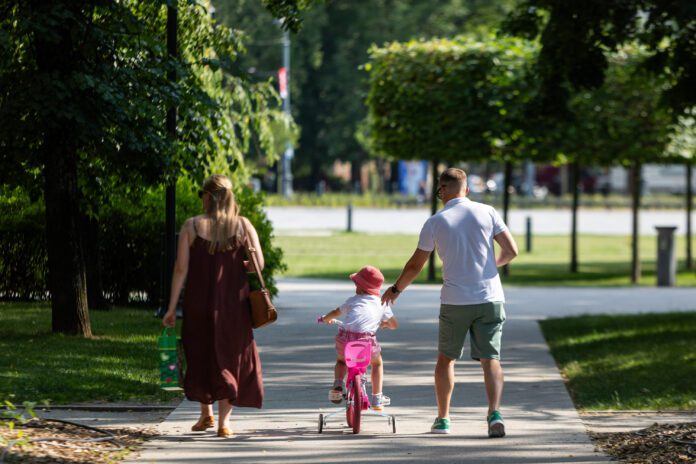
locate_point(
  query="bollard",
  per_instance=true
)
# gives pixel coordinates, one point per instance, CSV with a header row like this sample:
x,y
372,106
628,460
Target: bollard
x,y
666,258
529,234
350,217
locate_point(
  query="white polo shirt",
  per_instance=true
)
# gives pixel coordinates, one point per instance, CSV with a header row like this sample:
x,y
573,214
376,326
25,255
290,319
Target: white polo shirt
x,y
463,234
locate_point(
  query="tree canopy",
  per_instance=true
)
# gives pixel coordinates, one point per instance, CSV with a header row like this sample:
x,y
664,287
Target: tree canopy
x,y
85,89
449,100
576,36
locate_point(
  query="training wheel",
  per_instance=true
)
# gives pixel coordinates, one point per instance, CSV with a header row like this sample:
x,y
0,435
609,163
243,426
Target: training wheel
x,y
393,422
321,423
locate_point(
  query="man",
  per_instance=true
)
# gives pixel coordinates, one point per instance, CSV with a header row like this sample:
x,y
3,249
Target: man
x,y
472,296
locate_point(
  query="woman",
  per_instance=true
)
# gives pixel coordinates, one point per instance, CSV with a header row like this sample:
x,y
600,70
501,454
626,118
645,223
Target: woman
x,y
222,361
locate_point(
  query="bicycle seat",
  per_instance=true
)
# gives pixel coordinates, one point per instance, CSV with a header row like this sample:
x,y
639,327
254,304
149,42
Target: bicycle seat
x,y
358,353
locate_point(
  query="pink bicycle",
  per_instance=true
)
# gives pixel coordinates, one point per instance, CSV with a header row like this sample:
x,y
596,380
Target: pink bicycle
x,y
357,355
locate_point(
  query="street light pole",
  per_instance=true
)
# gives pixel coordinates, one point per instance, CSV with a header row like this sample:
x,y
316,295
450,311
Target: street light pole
x,y
170,195
289,150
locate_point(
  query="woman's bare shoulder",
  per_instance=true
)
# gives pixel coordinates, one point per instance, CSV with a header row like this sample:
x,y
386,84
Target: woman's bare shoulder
x,y
192,223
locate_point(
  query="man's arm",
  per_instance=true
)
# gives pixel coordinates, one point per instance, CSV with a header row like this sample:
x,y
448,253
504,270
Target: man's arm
x,y
508,248
411,270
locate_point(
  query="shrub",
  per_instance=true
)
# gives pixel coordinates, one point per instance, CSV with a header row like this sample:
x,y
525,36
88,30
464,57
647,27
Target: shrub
x,y
131,237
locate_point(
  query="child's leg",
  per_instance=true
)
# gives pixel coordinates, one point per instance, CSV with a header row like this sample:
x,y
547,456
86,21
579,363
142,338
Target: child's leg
x,y
336,392
377,373
340,370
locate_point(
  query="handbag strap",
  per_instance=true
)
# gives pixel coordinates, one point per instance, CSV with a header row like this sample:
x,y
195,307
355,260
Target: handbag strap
x,y
251,253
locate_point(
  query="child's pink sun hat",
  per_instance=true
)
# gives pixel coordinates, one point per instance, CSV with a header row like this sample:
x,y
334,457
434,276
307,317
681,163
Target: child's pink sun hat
x,y
369,279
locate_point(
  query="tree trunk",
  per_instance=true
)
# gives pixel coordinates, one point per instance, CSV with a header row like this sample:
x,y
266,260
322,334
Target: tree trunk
x,y
93,264
506,202
635,206
433,210
689,208
66,264
56,57
574,218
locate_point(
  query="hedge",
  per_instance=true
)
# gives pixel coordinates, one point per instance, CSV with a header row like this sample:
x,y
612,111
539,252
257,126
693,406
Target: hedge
x,y
131,235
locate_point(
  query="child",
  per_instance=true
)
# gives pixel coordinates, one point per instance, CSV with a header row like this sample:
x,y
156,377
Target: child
x,y
364,314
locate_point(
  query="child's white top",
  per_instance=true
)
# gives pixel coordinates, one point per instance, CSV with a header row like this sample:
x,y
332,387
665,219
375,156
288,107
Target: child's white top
x,y
363,313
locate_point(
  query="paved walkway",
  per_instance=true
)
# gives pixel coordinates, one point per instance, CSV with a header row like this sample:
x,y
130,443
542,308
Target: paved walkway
x,y
297,356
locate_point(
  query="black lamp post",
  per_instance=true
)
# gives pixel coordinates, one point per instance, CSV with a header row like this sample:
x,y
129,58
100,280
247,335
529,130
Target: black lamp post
x,y
170,195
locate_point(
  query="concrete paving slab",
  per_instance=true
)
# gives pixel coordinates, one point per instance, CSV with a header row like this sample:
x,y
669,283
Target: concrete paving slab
x,y
298,356
107,419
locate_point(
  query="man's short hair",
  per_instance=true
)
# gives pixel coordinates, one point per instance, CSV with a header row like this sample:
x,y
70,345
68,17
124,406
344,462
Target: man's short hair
x,y
455,177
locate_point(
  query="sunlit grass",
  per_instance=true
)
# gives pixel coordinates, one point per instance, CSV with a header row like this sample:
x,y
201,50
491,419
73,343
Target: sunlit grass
x,y
118,364
604,260
641,361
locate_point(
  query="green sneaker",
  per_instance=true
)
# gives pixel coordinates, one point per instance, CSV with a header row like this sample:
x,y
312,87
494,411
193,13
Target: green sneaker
x,y
496,425
440,426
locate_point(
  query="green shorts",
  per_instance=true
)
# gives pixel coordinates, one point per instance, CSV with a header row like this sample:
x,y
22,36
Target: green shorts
x,y
484,323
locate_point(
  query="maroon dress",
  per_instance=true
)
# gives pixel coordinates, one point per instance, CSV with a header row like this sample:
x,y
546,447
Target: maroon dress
x,y
221,357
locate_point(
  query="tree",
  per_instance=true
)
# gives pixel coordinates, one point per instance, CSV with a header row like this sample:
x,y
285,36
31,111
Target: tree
x,y
577,39
449,101
327,84
84,91
621,122
682,149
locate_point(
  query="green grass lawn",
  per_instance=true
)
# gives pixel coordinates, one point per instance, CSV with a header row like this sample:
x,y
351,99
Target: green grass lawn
x,y
119,363
645,361
604,260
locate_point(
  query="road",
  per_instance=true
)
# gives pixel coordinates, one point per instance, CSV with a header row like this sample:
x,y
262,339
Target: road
x,y
298,220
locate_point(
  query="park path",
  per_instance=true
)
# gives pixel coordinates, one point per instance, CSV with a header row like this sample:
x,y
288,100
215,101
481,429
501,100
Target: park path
x,y
302,220
297,355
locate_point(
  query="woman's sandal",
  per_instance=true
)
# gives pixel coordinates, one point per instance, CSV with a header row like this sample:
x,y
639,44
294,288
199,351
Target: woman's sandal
x,y
203,424
224,432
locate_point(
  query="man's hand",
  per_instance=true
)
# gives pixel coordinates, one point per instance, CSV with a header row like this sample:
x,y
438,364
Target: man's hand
x,y
411,270
389,297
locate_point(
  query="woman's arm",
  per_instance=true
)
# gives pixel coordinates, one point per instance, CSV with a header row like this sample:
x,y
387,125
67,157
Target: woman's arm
x,y
180,271
254,239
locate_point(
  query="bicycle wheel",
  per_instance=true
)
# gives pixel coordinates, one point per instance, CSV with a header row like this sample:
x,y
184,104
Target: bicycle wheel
x,y
350,404
357,403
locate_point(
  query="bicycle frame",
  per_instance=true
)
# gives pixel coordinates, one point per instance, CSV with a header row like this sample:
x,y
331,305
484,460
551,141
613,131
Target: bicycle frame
x,y
357,355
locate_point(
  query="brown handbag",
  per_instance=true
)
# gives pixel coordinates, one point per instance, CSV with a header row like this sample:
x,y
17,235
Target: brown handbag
x,y
262,310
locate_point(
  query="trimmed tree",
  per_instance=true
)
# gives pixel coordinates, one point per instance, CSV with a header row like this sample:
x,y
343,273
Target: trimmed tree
x,y
449,100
